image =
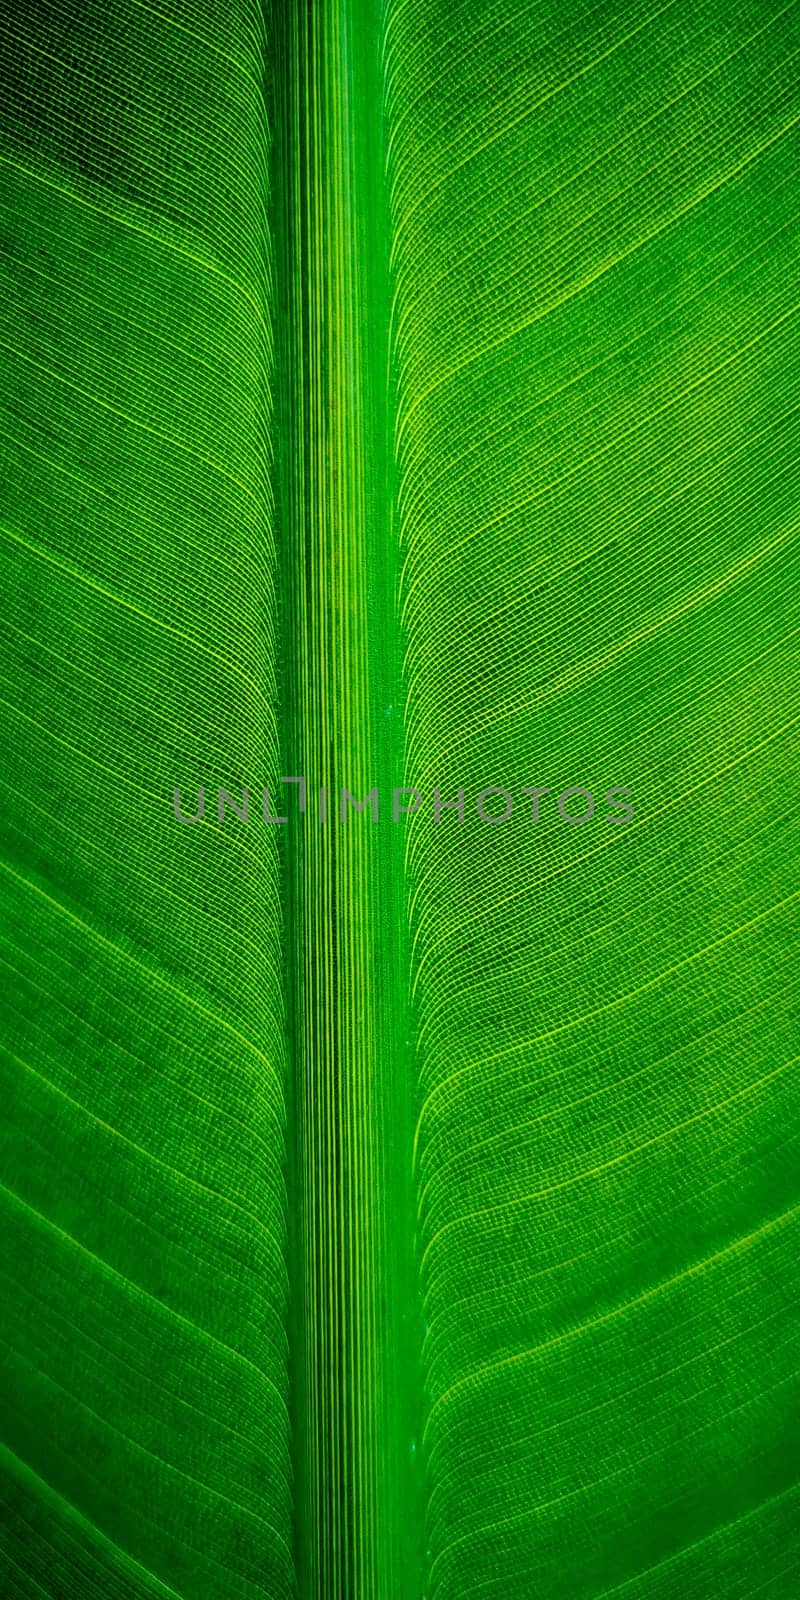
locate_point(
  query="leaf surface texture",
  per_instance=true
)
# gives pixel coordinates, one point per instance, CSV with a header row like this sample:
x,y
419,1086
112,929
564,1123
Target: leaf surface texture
x,y
399,394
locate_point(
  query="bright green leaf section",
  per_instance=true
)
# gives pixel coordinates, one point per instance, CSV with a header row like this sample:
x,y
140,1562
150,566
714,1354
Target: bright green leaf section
x,y
143,1043
573,306
596,247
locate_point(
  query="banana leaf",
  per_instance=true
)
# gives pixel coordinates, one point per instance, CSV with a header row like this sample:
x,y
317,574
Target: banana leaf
x,y
399,1200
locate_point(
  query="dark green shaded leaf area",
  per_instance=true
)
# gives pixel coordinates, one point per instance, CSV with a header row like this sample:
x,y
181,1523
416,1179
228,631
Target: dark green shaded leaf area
x,y
399,393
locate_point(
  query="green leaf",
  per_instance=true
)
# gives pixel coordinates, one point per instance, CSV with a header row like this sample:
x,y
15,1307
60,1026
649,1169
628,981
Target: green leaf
x,y
399,394
596,245
144,1049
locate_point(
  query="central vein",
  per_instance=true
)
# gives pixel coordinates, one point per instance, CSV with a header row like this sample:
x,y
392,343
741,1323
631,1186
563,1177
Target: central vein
x,y
355,1331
